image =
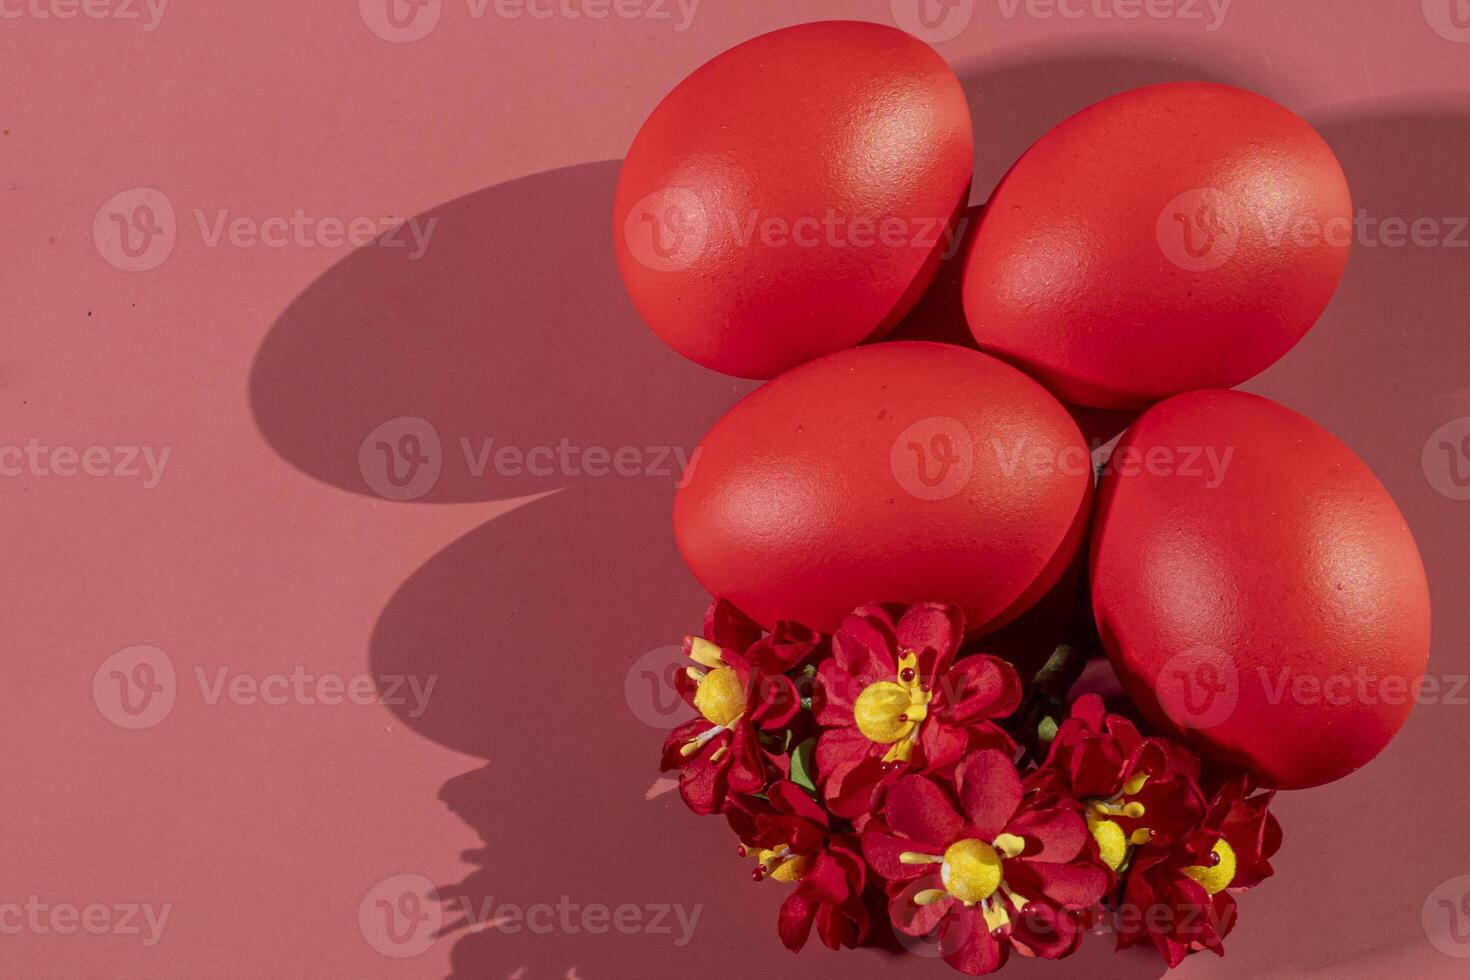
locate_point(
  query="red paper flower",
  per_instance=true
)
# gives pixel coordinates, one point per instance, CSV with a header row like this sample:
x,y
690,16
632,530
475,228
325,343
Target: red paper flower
x,y
1133,789
1179,896
893,698
792,840
738,684
1004,869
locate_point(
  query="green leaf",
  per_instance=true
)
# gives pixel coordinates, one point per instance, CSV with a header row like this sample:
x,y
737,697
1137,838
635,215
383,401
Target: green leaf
x,y
803,766
1047,730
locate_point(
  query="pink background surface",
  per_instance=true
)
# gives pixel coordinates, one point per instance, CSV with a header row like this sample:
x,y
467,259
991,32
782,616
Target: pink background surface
x,y
265,829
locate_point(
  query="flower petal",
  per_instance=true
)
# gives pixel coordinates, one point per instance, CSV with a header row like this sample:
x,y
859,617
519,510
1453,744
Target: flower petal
x,y
833,696
917,808
966,942
1051,834
933,631
1074,886
746,761
795,922
788,647
882,851
703,784
942,744
1046,931
673,751
919,920
863,646
729,627
980,687
789,798
990,791
825,881
776,700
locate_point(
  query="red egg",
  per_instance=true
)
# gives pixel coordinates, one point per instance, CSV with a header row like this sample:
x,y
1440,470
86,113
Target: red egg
x,y
1170,238
1257,589
791,197
896,472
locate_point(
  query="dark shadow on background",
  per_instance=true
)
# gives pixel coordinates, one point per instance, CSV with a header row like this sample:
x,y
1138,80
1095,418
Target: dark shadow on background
x,y
513,326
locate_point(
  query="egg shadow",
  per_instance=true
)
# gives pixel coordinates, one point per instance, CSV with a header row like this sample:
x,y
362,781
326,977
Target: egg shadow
x,y
511,333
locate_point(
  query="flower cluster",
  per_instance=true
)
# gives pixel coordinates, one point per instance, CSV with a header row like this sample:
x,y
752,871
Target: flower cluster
x,y
885,768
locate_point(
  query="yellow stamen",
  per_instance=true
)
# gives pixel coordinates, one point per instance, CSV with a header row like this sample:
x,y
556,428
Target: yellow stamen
x,y
782,865
929,896
1010,845
915,857
1132,786
996,916
1019,901
1217,877
1111,843
704,652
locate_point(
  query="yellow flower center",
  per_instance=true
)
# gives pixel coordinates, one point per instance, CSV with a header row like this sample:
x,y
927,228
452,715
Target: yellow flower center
x,y
971,871
1215,877
1102,821
890,712
720,696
